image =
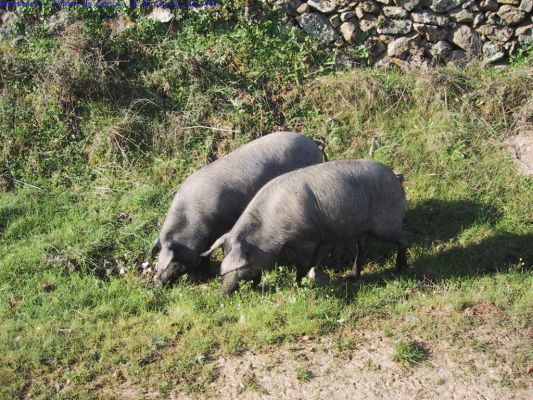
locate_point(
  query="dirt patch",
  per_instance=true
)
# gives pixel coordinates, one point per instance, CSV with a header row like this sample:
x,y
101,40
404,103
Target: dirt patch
x,y
521,146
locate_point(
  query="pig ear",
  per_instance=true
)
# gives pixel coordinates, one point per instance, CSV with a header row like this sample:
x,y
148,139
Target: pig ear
x,y
156,247
236,259
220,242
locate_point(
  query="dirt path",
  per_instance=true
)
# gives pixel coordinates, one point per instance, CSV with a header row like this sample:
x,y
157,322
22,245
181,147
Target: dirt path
x,y
319,371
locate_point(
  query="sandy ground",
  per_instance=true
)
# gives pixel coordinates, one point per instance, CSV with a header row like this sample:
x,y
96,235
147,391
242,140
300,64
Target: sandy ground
x,y
366,373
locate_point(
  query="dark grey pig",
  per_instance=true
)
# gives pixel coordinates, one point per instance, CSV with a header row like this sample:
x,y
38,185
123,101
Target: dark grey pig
x,y
209,201
311,210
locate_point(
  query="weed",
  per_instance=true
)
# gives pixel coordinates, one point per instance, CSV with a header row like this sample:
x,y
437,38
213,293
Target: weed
x,y
304,375
408,353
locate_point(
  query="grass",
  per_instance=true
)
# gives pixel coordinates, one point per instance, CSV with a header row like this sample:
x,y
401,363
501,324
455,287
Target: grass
x,y
92,149
408,353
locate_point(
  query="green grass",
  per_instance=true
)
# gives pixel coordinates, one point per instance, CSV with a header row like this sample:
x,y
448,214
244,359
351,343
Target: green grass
x,y
92,149
408,353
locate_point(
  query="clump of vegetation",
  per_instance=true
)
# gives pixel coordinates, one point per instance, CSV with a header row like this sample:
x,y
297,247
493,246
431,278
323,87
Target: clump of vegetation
x,y
95,137
408,353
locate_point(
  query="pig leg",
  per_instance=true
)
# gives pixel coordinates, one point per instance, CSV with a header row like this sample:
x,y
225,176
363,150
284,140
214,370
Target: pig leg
x,y
362,253
305,254
400,238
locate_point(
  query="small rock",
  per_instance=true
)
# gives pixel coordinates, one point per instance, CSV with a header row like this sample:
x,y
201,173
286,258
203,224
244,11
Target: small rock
x,y
292,7
409,5
526,5
348,31
432,33
510,15
395,27
317,25
322,5
374,47
121,271
462,16
522,149
457,58
368,22
19,41
59,21
370,7
335,20
512,2
524,30
394,12
496,33
399,47
304,8
478,20
318,276
466,38
345,16
442,6
493,52
489,5
441,49
429,18
160,14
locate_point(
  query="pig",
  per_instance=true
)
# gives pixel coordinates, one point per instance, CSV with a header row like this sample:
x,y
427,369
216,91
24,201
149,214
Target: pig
x,y
312,211
208,202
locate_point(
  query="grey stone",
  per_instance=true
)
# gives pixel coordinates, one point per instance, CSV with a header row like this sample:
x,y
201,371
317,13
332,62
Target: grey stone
x,y
160,14
526,5
429,18
489,5
512,2
59,21
496,33
8,17
510,15
457,58
492,18
322,5
19,41
399,47
345,16
432,33
510,46
292,7
318,26
525,39
335,20
394,12
395,27
466,38
386,2
441,6
304,8
478,20
374,47
471,6
6,29
409,5
370,7
348,31
359,12
441,49
493,52
462,15
521,147
524,30
368,22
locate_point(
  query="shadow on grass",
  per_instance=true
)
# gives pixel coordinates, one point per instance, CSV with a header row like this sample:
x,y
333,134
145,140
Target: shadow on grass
x,y
437,222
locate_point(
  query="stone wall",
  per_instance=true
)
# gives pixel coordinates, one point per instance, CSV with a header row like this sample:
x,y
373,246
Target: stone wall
x,y
421,32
